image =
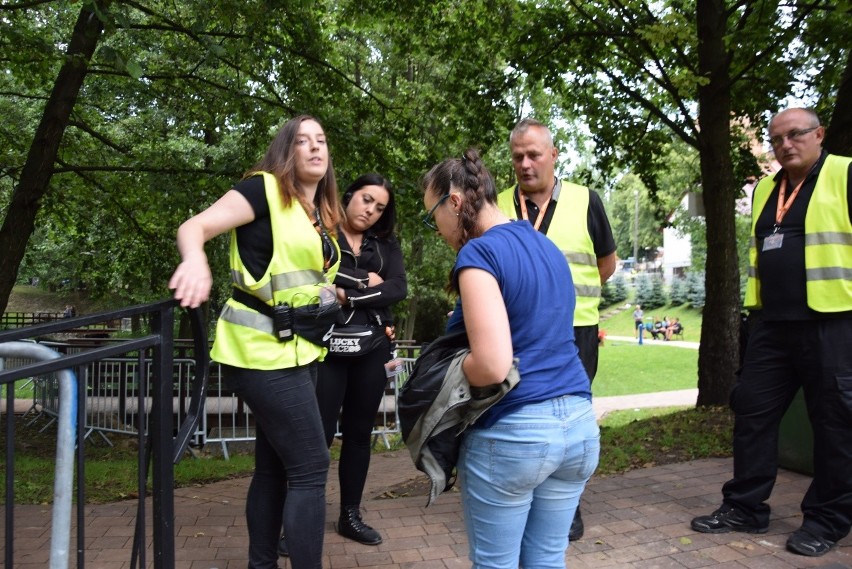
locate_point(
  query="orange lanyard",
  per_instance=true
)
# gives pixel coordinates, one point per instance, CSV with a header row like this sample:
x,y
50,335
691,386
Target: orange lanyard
x,y
784,205
525,216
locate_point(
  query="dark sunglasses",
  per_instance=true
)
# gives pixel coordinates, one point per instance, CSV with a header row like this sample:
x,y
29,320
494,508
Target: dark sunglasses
x,y
429,218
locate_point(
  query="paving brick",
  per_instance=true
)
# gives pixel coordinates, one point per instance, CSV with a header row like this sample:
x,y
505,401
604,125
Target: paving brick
x,y
639,520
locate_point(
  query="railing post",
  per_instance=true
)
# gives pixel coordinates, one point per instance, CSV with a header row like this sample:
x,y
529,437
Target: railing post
x,y
161,433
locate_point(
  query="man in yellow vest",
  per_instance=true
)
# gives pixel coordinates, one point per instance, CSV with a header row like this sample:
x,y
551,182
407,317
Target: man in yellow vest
x,y
799,292
574,218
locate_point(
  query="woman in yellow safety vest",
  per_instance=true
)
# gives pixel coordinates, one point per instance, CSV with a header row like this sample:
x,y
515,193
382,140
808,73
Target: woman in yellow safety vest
x,y
282,262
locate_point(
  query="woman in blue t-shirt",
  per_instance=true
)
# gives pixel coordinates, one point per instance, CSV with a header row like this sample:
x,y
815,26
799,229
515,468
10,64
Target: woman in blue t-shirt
x,y
526,461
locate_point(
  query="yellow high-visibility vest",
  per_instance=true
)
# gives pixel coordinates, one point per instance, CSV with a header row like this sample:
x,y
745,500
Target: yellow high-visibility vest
x,y
569,230
828,240
244,337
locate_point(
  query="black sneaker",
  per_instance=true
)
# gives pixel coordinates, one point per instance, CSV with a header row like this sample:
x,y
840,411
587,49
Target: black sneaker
x,y
726,519
805,543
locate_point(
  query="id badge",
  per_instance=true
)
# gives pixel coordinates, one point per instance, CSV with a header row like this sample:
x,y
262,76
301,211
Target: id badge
x,y
773,241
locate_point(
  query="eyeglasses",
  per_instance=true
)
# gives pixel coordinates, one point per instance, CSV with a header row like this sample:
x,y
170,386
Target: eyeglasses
x,y
793,136
429,218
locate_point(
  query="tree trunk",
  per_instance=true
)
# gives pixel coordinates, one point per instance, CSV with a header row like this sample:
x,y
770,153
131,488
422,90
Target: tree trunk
x,y
35,176
718,355
838,138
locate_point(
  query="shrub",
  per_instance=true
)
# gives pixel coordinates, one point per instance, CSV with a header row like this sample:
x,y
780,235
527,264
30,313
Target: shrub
x,y
649,291
614,290
695,289
679,291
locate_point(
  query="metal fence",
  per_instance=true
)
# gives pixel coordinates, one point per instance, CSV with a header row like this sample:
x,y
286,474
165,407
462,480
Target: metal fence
x,y
112,402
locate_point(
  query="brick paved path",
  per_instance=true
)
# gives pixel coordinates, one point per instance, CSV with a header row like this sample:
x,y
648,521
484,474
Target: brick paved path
x,y
637,520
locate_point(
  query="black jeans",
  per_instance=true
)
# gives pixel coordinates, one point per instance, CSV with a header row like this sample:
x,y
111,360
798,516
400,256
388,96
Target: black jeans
x,y
781,357
291,465
351,389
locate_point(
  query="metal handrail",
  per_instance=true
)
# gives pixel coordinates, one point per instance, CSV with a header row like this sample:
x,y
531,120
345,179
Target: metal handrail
x,y
63,481
163,445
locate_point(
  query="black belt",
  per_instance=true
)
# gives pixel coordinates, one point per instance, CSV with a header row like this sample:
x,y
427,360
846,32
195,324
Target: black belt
x,y
252,302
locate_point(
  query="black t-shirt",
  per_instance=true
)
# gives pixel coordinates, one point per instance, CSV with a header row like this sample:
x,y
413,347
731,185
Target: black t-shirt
x,y
254,239
783,291
596,220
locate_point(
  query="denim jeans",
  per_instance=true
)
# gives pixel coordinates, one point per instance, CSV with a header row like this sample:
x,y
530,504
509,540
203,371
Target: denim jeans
x,y
291,463
521,481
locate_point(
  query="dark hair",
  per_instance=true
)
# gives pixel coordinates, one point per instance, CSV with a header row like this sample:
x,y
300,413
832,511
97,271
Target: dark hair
x,y
385,225
468,175
279,160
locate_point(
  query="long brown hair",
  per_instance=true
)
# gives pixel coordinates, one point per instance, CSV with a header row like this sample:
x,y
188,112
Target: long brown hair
x,y
279,160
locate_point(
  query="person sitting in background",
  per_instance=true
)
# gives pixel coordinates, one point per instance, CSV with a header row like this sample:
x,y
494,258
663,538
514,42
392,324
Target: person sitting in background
x,y
658,328
674,328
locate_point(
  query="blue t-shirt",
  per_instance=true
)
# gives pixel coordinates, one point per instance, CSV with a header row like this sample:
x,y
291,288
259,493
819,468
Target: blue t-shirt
x,y
538,292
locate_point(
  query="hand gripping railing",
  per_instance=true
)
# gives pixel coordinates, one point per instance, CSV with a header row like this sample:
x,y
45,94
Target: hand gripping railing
x,y
64,478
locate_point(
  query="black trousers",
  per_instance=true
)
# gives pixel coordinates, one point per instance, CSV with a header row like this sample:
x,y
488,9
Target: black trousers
x,y
291,463
780,358
588,344
350,389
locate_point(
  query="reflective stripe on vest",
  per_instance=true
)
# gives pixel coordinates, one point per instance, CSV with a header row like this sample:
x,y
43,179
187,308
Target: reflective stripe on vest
x,y
244,337
292,279
828,240
569,230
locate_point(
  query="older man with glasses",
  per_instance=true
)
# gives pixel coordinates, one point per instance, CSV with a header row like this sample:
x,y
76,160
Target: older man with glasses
x,y
799,294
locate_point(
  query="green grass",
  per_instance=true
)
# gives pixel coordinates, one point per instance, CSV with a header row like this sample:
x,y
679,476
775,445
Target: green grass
x,y
663,436
111,472
625,368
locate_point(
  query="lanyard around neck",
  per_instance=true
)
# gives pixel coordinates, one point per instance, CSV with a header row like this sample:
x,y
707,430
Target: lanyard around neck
x,y
783,204
523,203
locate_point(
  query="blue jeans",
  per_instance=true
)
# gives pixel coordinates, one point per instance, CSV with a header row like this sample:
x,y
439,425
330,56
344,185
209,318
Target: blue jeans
x,y
521,481
291,463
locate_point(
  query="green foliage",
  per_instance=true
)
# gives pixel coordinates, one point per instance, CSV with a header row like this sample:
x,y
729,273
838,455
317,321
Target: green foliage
x,y
182,98
678,293
650,292
658,292
679,435
614,290
695,289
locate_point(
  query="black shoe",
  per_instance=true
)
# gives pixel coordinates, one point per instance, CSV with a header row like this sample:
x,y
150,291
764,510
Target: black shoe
x,y
726,519
577,528
282,548
805,543
352,526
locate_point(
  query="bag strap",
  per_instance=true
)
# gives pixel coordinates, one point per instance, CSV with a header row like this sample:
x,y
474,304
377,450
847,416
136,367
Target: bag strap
x,y
252,302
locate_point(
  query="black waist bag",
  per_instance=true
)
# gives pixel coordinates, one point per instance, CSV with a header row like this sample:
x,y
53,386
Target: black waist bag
x,y
356,339
313,322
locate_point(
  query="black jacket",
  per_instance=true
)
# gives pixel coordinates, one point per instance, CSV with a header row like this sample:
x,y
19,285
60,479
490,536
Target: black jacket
x,y
436,404
378,255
